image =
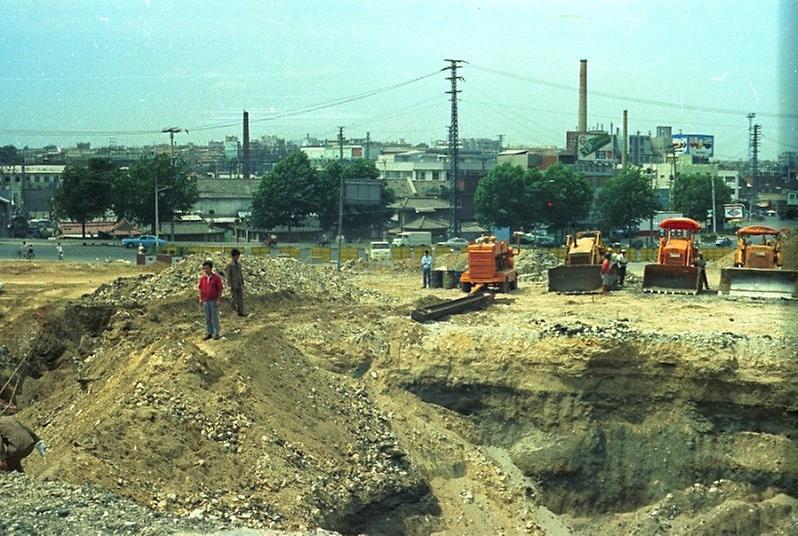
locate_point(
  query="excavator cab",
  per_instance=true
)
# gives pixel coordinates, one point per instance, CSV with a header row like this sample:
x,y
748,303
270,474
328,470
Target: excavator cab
x,y
581,272
674,272
757,266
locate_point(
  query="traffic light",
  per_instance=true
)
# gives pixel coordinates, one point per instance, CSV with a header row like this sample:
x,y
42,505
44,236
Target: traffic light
x,y
549,204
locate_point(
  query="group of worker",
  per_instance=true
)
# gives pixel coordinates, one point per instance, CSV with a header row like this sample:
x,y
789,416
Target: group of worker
x,y
613,270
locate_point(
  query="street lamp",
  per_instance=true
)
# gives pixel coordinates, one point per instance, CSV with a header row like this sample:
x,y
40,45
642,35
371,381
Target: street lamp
x,y
157,191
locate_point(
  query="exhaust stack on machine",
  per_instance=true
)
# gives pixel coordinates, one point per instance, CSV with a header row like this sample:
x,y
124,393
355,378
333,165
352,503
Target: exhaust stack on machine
x,y
582,96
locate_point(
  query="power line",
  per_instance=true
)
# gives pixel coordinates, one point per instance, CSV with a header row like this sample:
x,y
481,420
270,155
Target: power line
x,y
626,98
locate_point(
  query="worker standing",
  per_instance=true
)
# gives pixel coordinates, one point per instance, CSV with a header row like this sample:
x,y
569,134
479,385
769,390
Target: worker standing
x,y
701,264
16,443
60,250
606,273
210,296
426,270
621,262
235,278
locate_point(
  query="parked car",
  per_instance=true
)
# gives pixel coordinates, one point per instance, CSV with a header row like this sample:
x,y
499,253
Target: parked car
x,y
147,241
723,242
379,251
455,243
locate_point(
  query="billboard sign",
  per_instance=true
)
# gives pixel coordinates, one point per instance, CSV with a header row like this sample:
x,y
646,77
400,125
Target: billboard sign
x,y
363,192
700,145
734,211
599,146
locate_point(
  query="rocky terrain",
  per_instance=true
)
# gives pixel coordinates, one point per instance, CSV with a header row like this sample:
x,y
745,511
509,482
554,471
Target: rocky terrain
x,y
329,408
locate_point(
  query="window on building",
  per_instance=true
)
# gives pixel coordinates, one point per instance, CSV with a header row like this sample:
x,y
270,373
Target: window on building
x,y
16,178
435,175
36,179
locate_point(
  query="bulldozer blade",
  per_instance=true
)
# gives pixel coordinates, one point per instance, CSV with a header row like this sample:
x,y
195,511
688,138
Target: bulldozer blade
x,y
575,279
759,283
671,279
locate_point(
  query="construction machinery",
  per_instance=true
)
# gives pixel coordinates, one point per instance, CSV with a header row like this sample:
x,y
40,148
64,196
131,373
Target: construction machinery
x,y
674,272
757,266
581,272
491,264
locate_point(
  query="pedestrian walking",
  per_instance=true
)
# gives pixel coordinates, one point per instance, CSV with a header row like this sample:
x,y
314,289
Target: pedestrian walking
x,y
606,273
210,296
60,250
235,279
621,263
17,441
141,250
701,264
426,270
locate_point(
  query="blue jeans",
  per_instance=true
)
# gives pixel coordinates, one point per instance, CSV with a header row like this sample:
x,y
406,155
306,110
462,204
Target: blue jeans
x,y
212,326
427,273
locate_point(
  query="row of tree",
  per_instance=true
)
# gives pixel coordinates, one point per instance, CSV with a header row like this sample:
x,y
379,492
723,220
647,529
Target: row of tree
x,y
510,196
294,191
89,191
286,196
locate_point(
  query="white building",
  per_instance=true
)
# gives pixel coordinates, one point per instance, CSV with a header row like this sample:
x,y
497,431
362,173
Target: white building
x,y
32,187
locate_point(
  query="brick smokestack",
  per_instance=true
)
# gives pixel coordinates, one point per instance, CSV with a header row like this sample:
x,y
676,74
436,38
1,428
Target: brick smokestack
x,y
245,154
582,96
625,146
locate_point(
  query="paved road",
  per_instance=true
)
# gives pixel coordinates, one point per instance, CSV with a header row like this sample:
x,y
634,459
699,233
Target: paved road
x,y
73,251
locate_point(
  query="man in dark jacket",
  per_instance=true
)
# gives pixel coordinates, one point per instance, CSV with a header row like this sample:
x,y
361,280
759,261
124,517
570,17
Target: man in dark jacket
x,y
16,442
235,278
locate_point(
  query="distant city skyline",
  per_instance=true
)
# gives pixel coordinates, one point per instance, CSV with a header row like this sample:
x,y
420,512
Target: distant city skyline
x,y
72,70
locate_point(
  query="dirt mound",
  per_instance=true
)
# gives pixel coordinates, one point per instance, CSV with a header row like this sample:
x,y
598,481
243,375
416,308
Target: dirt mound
x,y
261,276
534,263
245,430
453,261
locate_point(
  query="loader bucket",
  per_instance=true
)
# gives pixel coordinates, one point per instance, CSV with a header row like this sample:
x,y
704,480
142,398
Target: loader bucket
x,y
759,283
575,279
671,279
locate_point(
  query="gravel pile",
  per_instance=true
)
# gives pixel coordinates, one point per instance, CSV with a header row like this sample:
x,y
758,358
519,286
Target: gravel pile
x,y
44,507
261,276
534,263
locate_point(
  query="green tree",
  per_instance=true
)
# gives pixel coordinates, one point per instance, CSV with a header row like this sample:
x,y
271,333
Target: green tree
x,y
10,155
287,194
134,191
85,192
560,196
504,197
626,200
692,195
357,220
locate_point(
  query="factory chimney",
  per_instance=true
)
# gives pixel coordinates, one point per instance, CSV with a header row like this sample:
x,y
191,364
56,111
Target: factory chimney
x,y
245,155
582,96
625,146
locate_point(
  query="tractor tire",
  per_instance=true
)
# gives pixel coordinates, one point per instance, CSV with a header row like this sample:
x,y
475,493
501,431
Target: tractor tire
x,y
466,287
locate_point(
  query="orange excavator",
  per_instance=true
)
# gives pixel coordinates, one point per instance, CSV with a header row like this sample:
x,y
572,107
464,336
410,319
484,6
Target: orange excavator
x,y
581,272
674,272
491,268
757,266
491,264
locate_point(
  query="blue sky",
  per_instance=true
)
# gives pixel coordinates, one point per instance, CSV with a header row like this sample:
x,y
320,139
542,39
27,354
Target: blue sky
x,y
134,65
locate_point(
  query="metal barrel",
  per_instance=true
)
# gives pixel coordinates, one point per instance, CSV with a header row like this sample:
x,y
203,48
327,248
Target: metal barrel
x,y
671,279
759,283
575,279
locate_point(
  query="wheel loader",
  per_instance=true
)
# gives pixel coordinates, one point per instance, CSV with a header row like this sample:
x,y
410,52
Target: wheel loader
x,y
757,266
581,272
674,272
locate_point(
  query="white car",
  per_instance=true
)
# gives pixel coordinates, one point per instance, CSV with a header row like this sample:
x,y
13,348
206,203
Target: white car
x,y
455,243
379,251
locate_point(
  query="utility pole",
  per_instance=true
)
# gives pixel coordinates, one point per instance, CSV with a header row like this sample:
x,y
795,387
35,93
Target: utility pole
x,y
454,141
501,141
368,146
340,194
756,134
714,207
171,131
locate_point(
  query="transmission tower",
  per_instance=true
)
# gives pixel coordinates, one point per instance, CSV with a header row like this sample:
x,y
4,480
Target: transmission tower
x,y
454,141
756,135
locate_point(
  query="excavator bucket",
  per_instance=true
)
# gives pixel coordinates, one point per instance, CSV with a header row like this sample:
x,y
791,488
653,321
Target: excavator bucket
x,y
575,279
759,283
665,279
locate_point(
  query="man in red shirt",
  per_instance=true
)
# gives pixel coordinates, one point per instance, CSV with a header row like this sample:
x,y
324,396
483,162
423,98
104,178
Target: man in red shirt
x,y
210,296
606,273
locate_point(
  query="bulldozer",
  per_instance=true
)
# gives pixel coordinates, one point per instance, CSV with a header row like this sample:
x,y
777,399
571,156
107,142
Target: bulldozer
x,y
674,272
491,264
581,272
757,266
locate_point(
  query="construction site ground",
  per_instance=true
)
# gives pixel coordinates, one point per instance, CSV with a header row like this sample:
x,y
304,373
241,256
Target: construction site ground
x,y
328,407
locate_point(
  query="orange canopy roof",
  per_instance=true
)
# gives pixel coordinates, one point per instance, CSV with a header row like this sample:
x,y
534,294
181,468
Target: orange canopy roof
x,y
757,230
685,224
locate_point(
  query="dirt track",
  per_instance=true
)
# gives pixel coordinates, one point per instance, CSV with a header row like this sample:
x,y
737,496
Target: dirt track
x,y
543,414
